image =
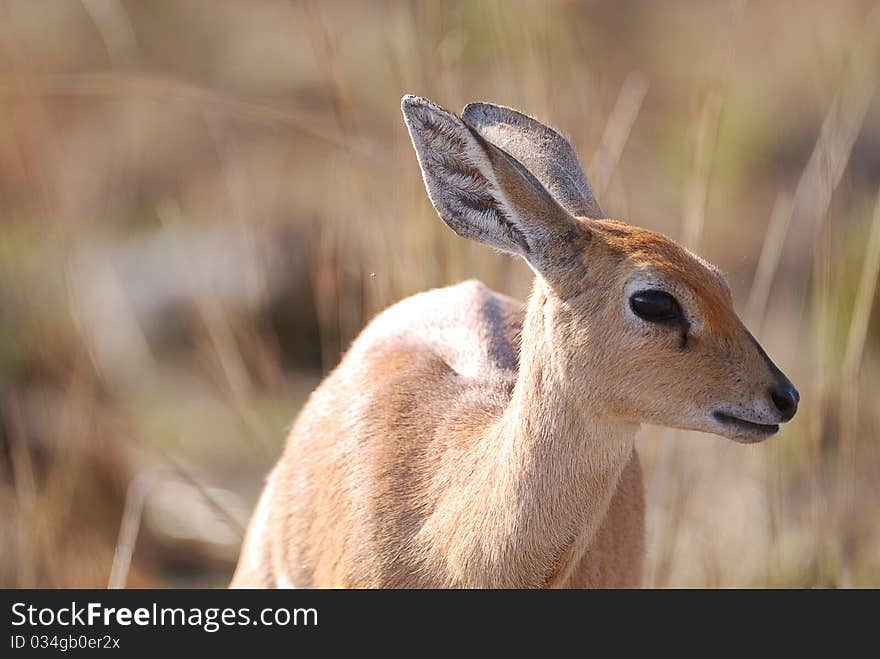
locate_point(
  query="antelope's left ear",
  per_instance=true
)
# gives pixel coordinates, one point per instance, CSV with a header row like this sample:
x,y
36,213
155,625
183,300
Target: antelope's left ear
x,y
546,153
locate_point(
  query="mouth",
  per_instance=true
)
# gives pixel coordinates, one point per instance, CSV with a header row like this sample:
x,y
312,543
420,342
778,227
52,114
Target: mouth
x,y
760,430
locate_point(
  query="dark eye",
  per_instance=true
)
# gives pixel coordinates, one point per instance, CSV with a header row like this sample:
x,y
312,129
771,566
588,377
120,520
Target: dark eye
x,y
655,306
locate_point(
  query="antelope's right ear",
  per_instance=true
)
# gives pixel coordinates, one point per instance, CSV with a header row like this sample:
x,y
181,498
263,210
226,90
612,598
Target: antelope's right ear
x,y
481,191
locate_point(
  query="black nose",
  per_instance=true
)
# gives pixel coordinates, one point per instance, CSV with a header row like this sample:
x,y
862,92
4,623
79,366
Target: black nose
x,y
785,397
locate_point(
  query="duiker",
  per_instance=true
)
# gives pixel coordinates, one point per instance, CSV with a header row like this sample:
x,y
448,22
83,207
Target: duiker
x,y
468,441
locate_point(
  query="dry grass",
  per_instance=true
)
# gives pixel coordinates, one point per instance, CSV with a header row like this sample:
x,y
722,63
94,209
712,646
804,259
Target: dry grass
x,y
202,203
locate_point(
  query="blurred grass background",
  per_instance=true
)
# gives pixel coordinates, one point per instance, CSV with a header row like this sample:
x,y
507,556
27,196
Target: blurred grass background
x,y
202,203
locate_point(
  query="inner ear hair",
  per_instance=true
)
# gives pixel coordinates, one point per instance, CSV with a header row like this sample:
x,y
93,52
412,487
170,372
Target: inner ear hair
x,y
481,191
546,153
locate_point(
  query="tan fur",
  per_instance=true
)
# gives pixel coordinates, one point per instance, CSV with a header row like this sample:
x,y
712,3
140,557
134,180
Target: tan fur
x,y
466,441
367,491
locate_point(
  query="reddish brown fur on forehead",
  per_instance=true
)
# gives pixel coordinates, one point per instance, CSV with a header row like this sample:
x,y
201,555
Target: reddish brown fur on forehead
x,y
664,255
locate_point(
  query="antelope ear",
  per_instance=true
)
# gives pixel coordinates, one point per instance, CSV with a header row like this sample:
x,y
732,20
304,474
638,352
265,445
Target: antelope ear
x,y
479,190
548,155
